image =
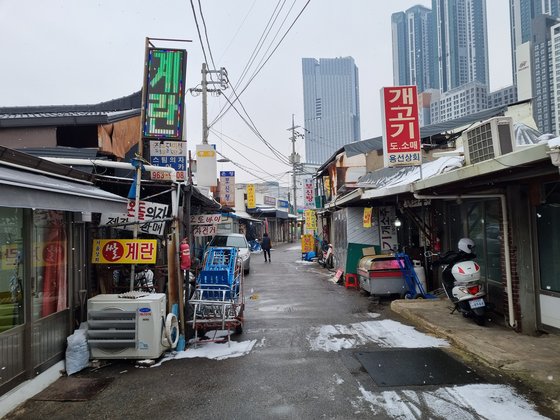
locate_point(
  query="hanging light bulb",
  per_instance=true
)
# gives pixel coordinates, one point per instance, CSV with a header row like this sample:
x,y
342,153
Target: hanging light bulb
x,y
397,222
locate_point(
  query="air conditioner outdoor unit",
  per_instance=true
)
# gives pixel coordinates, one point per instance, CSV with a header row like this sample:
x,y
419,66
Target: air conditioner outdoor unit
x,y
489,139
127,326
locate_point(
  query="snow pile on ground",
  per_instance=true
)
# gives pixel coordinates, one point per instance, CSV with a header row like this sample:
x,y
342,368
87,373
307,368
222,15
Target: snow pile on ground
x,y
459,402
211,350
386,333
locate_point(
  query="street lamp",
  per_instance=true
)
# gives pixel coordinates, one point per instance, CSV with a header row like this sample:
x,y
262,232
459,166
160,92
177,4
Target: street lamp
x,y
397,222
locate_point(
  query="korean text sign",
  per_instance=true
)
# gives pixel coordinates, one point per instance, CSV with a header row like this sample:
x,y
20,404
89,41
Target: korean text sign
x,y
227,188
251,198
401,131
172,154
124,251
164,96
147,211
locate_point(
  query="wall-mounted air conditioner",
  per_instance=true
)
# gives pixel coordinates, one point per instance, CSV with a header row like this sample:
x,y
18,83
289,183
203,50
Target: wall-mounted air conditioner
x,y
489,139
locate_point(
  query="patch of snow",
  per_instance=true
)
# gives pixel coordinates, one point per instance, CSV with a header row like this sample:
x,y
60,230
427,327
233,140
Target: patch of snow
x,y
292,248
211,350
386,333
338,379
305,262
458,402
373,315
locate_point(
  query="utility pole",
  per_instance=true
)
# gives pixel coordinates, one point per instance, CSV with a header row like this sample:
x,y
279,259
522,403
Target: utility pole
x,y
295,161
222,81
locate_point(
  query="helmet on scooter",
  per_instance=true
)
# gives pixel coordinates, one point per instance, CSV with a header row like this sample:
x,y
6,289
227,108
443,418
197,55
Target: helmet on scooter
x,y
466,245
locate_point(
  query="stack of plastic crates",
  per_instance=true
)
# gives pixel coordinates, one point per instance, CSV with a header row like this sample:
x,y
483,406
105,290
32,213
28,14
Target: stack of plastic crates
x,y
218,280
217,301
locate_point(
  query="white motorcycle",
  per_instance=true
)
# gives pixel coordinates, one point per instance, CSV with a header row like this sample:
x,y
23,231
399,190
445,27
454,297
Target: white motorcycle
x,y
461,281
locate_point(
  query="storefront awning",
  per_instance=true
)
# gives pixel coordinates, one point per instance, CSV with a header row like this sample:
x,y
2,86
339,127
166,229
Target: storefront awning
x,y
23,189
239,214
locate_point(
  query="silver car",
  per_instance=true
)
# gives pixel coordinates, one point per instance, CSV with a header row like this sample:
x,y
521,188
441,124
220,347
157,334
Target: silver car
x,y
237,240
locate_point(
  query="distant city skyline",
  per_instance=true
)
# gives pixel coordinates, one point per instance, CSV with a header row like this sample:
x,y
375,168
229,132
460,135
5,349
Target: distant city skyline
x,y
331,106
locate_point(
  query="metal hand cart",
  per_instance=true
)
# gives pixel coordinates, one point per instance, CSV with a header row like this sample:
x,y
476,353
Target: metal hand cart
x,y
218,301
413,284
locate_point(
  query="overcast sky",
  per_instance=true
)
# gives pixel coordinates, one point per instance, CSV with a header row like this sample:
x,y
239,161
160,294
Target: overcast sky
x,y
63,52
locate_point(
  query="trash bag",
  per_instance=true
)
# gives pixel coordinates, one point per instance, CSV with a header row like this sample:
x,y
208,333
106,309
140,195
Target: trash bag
x,y
77,351
310,255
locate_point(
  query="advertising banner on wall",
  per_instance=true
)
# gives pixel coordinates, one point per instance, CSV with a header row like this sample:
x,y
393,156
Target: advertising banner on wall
x,y
124,251
147,212
387,229
401,129
227,188
367,217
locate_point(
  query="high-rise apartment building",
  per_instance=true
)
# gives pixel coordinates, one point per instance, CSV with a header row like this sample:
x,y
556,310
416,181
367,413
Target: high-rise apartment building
x,y
462,42
330,105
535,44
522,13
413,48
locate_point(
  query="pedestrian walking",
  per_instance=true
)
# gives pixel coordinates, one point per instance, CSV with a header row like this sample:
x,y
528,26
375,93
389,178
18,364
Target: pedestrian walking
x,y
266,245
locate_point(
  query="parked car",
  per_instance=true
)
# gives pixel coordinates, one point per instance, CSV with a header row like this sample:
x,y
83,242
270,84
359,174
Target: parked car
x,y
237,240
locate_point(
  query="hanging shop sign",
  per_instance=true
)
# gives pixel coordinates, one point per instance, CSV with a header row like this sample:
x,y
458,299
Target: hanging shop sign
x,y
147,212
251,199
310,220
171,154
227,188
309,197
307,243
401,130
206,165
283,204
124,251
164,93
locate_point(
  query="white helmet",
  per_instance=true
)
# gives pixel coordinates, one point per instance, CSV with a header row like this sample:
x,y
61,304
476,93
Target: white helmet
x,y
466,245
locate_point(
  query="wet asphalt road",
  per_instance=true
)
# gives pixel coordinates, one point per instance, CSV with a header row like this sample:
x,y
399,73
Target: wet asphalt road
x,y
281,378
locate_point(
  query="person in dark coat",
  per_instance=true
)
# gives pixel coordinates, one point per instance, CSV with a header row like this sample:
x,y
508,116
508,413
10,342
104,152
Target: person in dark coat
x,y
266,245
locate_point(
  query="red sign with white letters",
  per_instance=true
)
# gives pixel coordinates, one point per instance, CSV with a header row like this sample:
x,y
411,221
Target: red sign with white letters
x,y
401,131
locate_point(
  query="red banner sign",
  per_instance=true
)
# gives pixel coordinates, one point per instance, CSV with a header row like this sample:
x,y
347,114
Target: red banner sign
x,y
401,131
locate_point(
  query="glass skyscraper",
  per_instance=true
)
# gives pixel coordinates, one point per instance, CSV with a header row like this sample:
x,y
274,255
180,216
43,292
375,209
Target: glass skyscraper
x,y
413,48
462,42
330,105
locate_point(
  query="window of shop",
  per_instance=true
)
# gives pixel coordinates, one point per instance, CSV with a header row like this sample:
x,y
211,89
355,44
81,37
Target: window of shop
x,y
548,230
49,268
11,269
480,221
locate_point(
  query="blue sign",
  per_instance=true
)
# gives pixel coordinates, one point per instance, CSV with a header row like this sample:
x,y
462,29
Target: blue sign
x,y
227,173
283,204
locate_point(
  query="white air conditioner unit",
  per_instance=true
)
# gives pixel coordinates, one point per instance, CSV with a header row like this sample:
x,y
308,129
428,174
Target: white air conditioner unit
x,y
489,139
127,326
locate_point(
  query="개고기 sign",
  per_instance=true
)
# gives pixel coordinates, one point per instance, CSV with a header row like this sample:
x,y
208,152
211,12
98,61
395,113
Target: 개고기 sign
x,y
401,131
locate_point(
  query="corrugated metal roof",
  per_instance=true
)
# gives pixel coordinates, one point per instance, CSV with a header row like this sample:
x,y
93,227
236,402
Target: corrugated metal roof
x,y
50,115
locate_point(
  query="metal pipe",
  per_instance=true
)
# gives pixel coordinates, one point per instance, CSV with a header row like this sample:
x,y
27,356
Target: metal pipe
x,y
509,287
111,164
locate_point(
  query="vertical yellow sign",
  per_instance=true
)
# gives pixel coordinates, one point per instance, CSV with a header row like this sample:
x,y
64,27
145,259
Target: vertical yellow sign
x,y
251,204
307,243
310,220
367,217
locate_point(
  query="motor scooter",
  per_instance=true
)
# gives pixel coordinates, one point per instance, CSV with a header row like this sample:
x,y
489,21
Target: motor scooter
x,y
461,281
326,256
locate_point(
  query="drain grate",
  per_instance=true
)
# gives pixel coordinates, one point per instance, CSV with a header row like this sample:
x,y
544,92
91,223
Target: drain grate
x,y
415,367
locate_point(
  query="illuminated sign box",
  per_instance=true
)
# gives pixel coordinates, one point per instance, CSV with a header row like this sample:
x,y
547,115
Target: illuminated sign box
x,y
164,96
